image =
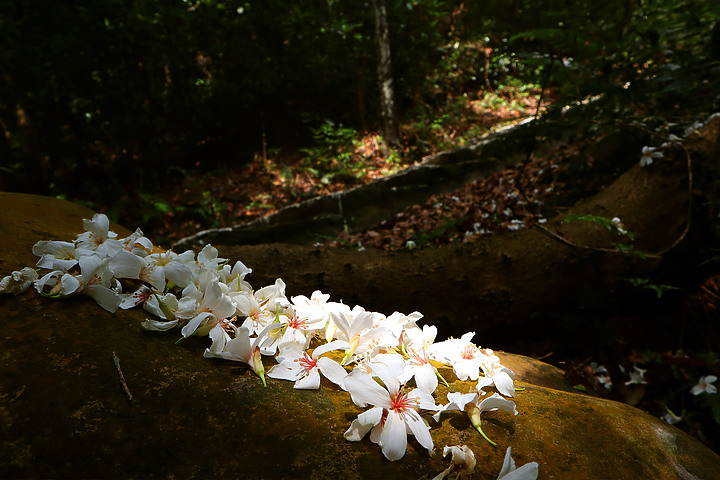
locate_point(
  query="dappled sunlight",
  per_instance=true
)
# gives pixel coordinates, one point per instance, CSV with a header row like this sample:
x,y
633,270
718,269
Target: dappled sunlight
x,y
232,196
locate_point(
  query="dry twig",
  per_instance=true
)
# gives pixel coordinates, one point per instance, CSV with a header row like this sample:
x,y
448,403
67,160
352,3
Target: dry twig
x,y
123,383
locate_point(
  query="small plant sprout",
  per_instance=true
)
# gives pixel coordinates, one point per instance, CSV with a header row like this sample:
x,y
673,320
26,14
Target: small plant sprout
x,y
648,285
619,226
612,225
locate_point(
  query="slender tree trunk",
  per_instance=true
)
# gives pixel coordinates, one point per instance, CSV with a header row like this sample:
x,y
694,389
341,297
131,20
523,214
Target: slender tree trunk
x,y
387,92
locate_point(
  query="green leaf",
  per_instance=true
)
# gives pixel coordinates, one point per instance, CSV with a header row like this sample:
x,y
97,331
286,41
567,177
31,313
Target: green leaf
x,y
606,223
645,283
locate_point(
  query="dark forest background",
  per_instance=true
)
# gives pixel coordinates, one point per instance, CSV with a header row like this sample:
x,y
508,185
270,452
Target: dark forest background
x,y
101,101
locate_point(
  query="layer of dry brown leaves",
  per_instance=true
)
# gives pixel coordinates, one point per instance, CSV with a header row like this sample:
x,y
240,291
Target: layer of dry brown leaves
x,y
269,183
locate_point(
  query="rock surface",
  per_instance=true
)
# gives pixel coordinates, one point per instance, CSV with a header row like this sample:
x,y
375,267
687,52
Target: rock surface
x,y
63,412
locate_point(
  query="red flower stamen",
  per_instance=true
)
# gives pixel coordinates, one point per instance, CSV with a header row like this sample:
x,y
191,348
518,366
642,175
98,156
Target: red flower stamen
x,y
307,362
402,402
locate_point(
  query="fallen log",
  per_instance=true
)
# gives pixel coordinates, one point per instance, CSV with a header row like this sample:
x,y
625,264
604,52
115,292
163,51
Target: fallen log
x,y
508,283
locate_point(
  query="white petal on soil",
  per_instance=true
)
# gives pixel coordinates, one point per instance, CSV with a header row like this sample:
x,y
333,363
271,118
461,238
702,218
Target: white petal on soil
x,y
393,438
363,423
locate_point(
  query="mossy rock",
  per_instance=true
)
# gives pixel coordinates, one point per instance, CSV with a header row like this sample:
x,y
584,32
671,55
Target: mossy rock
x,y
64,414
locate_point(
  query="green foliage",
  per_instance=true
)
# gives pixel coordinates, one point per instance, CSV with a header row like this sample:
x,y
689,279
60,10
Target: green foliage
x,y
647,284
334,153
611,225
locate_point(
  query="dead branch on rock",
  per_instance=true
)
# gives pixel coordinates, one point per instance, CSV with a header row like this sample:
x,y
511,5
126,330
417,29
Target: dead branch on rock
x,y
123,383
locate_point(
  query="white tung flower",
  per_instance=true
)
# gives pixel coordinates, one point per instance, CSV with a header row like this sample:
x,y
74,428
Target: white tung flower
x,y
496,374
470,403
205,311
462,354
98,237
463,462
18,281
242,348
649,154
637,376
357,328
394,413
296,365
58,255
705,385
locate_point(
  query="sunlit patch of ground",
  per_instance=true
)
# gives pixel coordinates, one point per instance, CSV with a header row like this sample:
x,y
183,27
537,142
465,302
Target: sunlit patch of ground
x,y
230,197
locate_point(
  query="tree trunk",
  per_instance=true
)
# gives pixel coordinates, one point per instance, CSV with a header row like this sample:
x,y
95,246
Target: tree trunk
x,y
385,81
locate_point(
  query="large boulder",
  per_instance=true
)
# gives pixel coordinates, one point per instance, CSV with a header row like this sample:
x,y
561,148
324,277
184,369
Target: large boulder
x,y
64,412
517,286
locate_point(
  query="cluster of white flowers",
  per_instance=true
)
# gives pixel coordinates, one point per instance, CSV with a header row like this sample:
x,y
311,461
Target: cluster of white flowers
x,y
650,154
378,357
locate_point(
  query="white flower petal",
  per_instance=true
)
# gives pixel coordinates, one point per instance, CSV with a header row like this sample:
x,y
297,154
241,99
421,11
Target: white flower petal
x,y
425,378
157,326
456,401
424,399
333,371
330,346
393,438
310,382
126,265
363,423
529,471
283,371
504,384
498,402
105,297
179,273
388,377
419,429
466,369
193,324
482,383
508,463
219,338
364,390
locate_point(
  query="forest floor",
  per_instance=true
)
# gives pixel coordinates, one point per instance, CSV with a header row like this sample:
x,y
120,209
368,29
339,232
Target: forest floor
x,y
510,199
343,159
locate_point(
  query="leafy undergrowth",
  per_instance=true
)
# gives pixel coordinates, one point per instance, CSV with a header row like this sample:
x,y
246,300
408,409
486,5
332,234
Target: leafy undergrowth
x,y
340,159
